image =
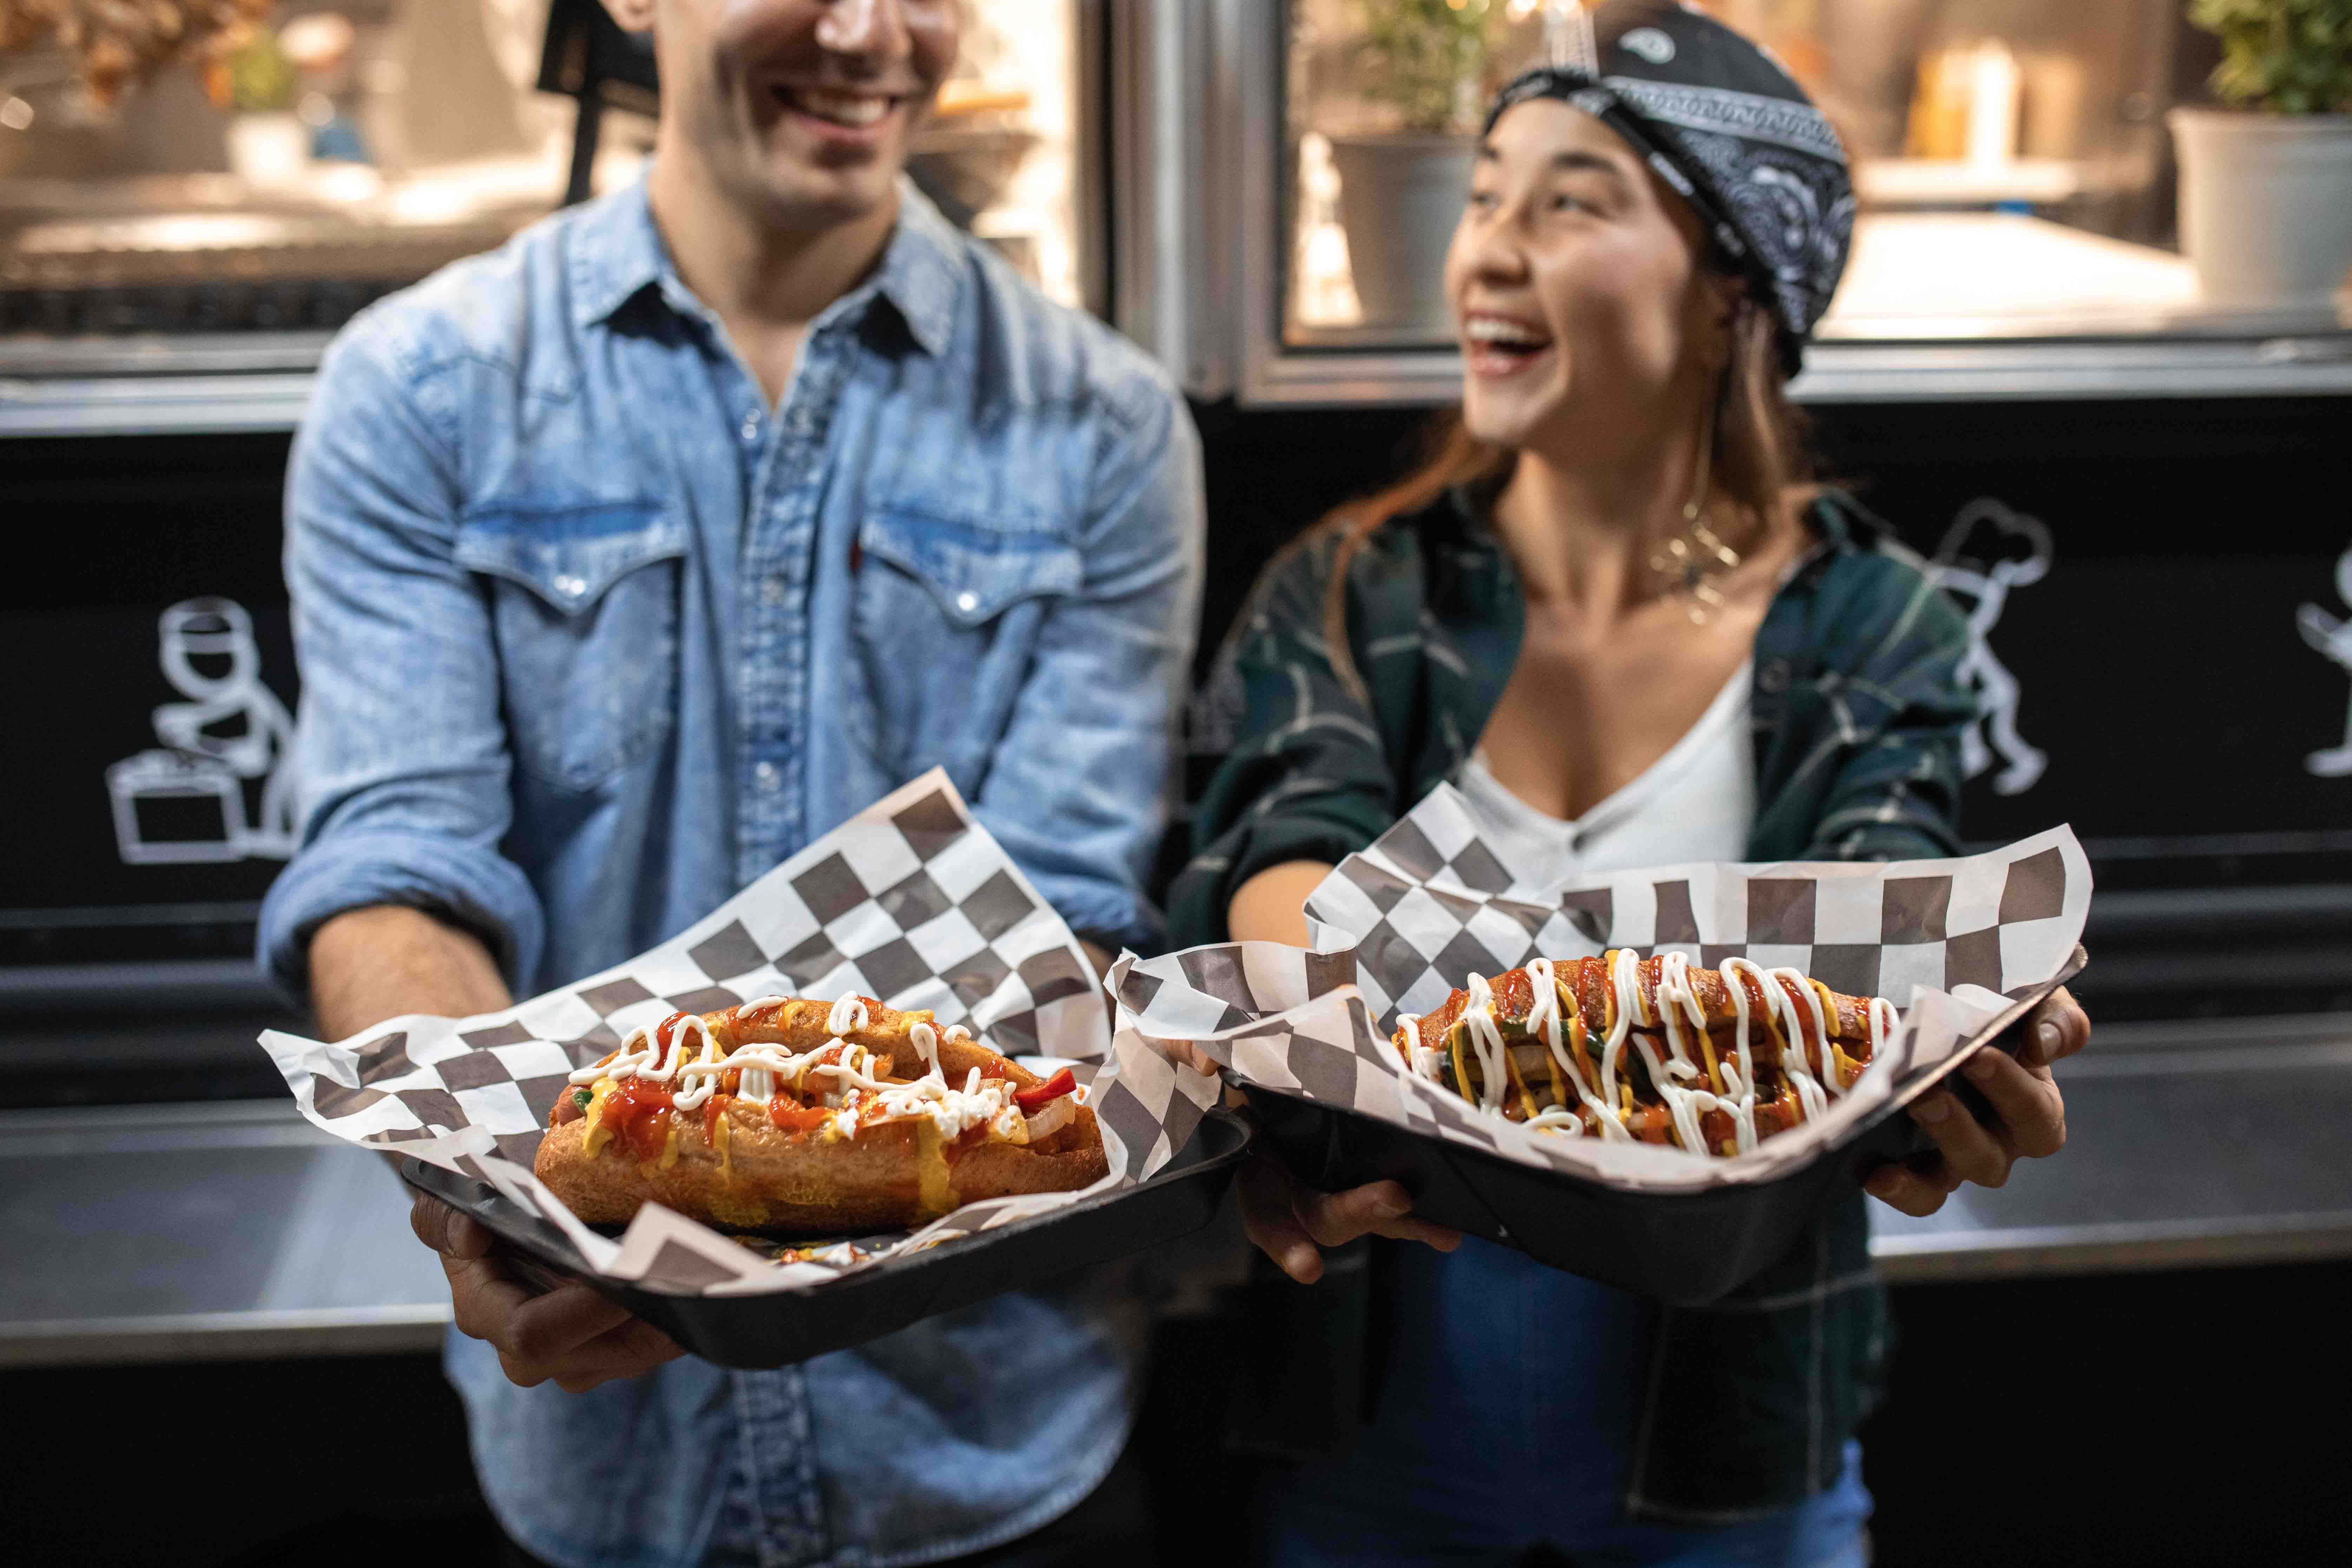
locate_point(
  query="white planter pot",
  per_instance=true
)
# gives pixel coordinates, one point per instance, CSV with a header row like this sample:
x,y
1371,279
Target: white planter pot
x,y
1400,198
2265,206
266,150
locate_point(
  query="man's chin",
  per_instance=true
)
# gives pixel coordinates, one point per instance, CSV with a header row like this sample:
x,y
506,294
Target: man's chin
x,y
801,199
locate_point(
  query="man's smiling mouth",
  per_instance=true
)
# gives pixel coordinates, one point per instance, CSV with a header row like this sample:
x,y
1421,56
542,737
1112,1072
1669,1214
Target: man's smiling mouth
x,y
850,111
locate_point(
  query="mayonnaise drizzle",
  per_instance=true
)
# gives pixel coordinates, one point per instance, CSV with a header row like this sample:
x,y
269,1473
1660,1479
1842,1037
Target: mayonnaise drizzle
x,y
1675,1001
1742,1084
1427,1062
1885,1024
1680,1015
1486,1039
1625,980
1685,1105
1543,1017
1811,1097
765,1064
847,1014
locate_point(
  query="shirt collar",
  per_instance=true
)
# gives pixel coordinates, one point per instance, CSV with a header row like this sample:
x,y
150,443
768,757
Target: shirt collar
x,y
617,253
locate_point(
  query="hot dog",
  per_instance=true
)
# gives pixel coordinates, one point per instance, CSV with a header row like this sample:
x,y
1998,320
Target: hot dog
x,y
793,1117
1652,1049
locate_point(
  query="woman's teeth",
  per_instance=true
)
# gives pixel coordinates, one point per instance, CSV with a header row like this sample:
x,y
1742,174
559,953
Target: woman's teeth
x,y
1488,332
857,109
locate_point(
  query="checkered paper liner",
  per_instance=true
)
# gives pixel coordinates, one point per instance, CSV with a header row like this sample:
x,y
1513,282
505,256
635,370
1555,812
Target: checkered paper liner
x,y
1401,925
910,900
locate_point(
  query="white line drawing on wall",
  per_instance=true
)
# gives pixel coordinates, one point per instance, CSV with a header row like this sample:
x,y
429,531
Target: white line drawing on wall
x,y
2332,636
1981,581
186,801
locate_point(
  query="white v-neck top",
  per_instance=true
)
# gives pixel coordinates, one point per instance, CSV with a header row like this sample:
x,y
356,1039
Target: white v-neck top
x,y
1696,802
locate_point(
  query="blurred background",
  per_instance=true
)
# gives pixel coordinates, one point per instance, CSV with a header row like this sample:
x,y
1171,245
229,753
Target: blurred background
x,y
2088,358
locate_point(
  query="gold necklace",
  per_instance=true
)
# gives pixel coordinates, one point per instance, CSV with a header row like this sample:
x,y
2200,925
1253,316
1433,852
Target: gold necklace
x,y
1691,563
1693,560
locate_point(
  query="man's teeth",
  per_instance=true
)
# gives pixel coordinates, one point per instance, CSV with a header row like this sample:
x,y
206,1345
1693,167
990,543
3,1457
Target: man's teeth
x,y
844,108
1510,334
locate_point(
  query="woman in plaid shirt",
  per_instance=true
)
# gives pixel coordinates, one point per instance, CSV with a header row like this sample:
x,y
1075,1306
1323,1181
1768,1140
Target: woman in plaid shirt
x,y
1608,610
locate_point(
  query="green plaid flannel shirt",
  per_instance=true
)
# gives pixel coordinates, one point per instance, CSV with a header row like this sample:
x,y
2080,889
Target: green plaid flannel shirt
x,y
1858,710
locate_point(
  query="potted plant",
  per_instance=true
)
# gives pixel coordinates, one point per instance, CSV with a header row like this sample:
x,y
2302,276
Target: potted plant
x,y
1401,186
2266,182
268,145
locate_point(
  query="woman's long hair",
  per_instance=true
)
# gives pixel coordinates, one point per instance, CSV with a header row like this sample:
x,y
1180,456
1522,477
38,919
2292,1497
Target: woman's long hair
x,y
1761,447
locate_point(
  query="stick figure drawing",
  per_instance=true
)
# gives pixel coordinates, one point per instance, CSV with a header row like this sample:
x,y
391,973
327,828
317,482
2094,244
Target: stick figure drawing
x,y
2332,636
1982,578
185,802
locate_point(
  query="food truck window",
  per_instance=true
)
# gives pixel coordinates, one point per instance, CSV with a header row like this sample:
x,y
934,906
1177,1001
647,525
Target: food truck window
x,y
278,173
2014,167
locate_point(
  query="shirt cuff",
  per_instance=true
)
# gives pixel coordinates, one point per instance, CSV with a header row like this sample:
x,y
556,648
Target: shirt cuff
x,y
1114,916
471,886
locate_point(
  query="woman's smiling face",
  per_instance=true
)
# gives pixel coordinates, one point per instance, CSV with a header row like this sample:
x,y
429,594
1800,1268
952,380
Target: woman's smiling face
x,y
1582,309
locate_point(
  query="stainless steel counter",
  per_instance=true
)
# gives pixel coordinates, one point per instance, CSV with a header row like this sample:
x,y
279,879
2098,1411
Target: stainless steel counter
x,y
260,381
167,1233
2188,1145
173,1233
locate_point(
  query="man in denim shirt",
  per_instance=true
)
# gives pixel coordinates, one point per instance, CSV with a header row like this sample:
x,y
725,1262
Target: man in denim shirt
x,y
628,559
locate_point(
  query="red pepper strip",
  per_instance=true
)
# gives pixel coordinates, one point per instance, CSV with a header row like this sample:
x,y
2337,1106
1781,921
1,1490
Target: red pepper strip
x,y
1045,1093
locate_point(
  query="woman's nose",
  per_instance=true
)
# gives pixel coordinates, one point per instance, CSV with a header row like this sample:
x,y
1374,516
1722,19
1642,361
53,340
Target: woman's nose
x,y
1496,253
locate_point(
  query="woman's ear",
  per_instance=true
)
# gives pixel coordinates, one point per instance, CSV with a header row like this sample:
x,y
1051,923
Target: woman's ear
x,y
1726,301
633,15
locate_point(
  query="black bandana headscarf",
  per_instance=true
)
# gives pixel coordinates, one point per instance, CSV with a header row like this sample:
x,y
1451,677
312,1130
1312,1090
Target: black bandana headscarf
x,y
1733,134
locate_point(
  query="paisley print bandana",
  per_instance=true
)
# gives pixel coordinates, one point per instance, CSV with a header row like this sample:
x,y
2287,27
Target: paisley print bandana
x,y
1728,129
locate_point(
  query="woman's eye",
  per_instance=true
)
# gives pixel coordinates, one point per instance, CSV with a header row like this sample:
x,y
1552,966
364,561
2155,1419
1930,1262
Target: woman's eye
x,y
1481,200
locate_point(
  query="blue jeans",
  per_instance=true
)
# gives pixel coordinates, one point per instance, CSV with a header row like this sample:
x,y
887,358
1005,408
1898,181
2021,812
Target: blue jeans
x,y
1504,1420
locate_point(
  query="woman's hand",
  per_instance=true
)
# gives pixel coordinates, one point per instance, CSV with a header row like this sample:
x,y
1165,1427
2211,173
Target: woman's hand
x,y
569,1334
2030,1114
1290,1221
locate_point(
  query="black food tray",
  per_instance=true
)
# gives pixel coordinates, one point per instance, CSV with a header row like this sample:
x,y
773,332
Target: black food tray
x,y
792,1325
1685,1249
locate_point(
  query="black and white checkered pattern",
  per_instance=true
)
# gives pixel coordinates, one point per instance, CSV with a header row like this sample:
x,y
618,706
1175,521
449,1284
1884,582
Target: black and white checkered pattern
x,y
910,901
1405,923
1432,903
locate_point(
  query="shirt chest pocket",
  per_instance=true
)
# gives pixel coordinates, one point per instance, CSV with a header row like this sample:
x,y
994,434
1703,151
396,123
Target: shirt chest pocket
x,y
960,601
584,603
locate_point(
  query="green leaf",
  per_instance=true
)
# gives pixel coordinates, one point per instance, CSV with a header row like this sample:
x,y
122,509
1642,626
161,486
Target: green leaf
x,y
1423,58
2289,57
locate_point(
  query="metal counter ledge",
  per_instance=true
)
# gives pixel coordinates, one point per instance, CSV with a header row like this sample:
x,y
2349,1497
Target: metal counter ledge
x,y
2188,1145
203,1232
192,1232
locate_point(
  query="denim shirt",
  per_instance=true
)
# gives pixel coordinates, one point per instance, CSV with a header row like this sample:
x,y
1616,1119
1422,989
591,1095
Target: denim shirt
x,y
590,637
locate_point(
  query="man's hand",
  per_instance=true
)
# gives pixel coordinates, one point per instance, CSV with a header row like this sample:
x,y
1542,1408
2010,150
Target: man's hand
x,y
370,964
571,1334
2029,1114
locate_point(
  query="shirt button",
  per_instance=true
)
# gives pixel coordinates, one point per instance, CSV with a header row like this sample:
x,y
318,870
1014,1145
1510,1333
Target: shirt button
x,y
770,777
1773,676
752,425
572,587
967,601
772,590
